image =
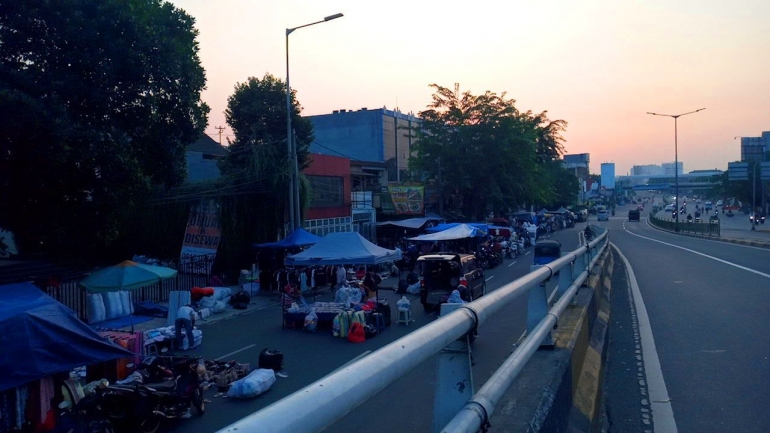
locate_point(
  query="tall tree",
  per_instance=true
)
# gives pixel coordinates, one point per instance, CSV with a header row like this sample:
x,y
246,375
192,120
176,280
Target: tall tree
x,y
98,102
490,153
258,159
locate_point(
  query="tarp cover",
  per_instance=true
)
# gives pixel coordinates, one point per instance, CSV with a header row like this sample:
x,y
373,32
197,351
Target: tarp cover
x,y
40,337
297,238
484,227
348,248
460,231
411,223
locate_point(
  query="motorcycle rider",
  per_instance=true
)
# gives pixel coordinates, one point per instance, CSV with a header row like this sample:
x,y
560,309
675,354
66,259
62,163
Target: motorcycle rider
x,y
587,232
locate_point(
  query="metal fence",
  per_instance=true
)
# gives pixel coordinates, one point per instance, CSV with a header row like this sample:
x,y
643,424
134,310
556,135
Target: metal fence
x,y
191,273
317,405
706,227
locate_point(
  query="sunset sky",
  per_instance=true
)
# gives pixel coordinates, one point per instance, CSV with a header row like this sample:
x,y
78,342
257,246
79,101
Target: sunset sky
x,y
599,65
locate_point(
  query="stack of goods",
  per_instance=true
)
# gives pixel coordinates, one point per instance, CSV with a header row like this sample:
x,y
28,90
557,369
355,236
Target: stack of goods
x,y
168,333
224,373
218,301
109,305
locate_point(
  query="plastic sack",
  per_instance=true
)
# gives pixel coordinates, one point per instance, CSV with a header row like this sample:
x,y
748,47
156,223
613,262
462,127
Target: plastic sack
x,y
403,304
221,293
311,321
96,311
414,289
293,309
126,302
112,305
354,295
341,297
207,302
455,298
219,306
257,382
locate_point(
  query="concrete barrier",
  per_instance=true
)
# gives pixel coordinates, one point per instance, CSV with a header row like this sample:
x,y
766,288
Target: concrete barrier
x,y
560,390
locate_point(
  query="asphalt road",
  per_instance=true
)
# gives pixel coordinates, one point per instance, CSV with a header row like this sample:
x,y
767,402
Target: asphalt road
x,y
405,406
707,304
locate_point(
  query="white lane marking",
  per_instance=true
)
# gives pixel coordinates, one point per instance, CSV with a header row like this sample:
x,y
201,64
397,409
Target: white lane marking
x,y
660,402
233,353
527,253
490,278
703,255
512,263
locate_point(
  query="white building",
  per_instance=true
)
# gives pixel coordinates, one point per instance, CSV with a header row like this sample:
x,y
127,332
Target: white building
x,y
668,168
608,175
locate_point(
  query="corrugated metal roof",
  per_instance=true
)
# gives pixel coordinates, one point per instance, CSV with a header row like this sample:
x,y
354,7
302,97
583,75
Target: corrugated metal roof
x,y
207,145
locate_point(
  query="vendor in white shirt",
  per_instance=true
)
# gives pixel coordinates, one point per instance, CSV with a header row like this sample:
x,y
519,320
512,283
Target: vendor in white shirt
x,y
185,318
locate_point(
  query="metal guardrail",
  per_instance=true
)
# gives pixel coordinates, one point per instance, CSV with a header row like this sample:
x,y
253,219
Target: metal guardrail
x,y
705,227
317,405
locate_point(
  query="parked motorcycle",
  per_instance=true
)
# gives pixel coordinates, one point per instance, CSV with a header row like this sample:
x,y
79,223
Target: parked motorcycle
x,y
169,387
86,417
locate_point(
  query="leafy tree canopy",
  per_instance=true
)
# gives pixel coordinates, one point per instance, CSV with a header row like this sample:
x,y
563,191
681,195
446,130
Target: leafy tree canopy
x,y
98,101
490,153
258,159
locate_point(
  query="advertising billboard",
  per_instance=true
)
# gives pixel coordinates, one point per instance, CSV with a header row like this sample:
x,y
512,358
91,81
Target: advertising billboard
x,y
408,200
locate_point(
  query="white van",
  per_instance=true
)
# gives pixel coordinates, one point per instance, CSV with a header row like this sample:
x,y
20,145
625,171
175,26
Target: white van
x,y
669,208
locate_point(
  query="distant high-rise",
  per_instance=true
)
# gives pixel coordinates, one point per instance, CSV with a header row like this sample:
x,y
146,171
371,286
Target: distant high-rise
x,y
646,170
608,175
668,168
755,148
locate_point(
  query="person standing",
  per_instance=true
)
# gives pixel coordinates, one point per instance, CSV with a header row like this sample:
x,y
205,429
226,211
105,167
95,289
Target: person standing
x,y
185,318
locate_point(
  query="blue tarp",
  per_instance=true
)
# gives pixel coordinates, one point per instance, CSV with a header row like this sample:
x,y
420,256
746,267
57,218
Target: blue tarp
x,y
348,248
297,238
441,227
40,337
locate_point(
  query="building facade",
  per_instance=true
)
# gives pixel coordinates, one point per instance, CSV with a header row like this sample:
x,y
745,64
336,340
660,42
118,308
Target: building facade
x,y
379,144
646,170
330,205
608,175
755,148
579,164
668,168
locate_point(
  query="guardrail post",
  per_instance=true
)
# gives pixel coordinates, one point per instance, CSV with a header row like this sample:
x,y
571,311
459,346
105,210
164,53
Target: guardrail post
x,y
454,378
566,276
537,308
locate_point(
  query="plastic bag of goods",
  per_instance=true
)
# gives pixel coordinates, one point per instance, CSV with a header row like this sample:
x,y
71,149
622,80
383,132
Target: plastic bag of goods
x,y
257,382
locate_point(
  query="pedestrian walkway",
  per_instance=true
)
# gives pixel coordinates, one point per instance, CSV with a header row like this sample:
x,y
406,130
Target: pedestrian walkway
x,y
736,230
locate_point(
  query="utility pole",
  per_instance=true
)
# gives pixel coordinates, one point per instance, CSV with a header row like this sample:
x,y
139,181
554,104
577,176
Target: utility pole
x,y
440,191
220,128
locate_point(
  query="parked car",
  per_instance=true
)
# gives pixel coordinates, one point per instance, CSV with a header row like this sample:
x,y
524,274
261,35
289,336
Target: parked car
x,y
602,215
634,215
444,272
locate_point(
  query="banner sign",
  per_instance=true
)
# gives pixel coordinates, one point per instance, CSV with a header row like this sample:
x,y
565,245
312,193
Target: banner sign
x,y
408,200
201,238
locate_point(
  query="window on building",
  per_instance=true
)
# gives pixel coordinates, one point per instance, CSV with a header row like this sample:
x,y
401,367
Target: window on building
x,y
327,191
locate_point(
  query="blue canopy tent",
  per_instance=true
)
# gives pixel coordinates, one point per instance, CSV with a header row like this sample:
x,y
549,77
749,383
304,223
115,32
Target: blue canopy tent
x,y
41,337
349,248
297,238
459,231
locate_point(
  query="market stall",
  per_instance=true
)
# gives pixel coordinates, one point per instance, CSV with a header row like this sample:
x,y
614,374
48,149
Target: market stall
x,y
336,249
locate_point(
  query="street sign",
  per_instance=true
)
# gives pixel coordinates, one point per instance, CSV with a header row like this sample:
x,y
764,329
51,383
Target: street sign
x,y
738,171
764,170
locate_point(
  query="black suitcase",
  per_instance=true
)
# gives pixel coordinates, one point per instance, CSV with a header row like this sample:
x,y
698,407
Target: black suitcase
x,y
384,308
271,359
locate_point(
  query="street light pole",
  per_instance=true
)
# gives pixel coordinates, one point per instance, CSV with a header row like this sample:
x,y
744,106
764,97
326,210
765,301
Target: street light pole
x,y
676,162
295,215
